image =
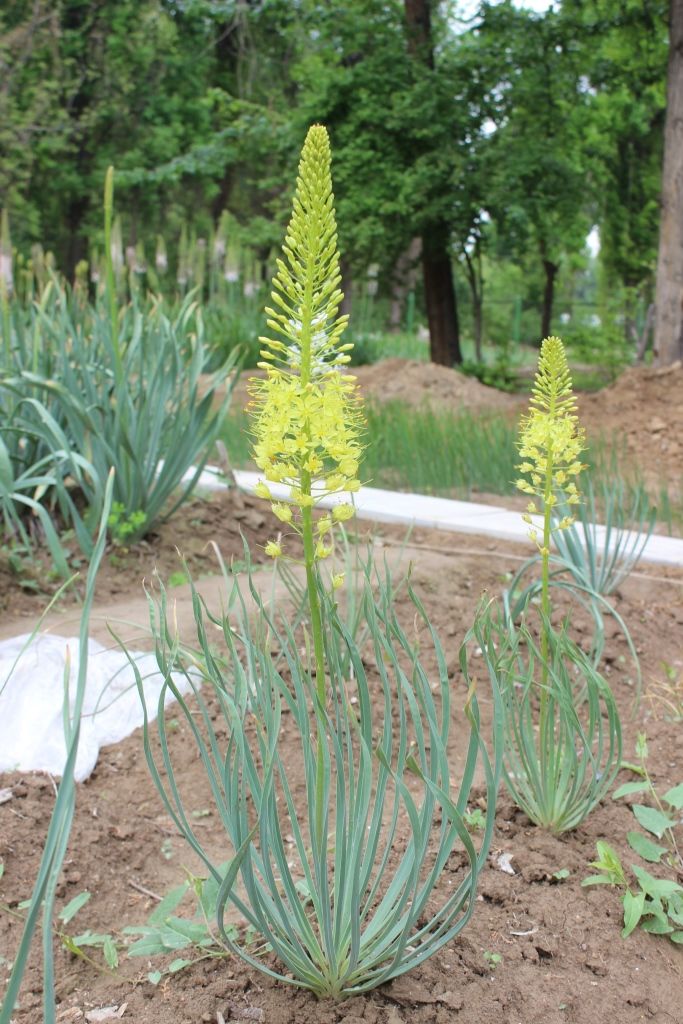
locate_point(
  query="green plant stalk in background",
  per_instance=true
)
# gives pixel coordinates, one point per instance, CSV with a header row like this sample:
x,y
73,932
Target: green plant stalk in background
x,y
5,285
110,277
551,445
558,771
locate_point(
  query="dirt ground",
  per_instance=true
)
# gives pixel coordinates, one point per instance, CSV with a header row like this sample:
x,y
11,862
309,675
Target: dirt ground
x,y
562,960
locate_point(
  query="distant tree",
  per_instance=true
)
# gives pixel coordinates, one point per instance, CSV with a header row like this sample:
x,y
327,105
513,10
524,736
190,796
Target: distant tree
x,y
437,266
397,128
536,191
623,48
668,345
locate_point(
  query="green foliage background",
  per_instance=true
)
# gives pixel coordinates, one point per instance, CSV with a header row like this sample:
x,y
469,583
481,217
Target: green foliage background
x,y
527,130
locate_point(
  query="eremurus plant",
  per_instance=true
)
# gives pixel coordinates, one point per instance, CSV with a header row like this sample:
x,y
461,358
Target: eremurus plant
x,y
342,882
305,412
563,735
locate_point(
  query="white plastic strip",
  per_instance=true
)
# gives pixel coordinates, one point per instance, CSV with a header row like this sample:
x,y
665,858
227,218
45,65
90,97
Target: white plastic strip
x,y
445,514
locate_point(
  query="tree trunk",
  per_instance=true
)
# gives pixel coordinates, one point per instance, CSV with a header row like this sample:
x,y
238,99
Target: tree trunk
x,y
644,337
437,272
442,310
403,281
476,282
668,339
551,270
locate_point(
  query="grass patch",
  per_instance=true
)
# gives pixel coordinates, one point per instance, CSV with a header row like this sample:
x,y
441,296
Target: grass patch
x,y
432,451
425,450
435,451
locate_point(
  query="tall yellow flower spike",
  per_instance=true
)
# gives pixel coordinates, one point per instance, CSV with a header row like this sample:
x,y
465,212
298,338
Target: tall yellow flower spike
x,y
551,441
306,419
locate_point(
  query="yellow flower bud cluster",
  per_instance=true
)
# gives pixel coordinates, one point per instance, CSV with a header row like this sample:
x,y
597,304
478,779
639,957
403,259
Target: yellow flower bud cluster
x,y
551,441
306,420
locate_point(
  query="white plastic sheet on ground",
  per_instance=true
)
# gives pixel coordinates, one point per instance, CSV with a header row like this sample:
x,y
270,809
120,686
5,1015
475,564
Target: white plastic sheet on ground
x,y
32,697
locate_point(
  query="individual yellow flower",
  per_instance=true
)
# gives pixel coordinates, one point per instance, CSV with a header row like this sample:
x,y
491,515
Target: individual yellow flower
x,y
337,580
340,513
273,549
283,512
324,525
322,550
262,490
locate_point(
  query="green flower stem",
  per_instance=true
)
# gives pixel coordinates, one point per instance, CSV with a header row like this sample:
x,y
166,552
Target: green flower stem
x,y
545,563
545,585
319,653
307,533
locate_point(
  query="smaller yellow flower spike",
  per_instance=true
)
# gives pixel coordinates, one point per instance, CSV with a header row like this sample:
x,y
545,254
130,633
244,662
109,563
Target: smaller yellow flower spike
x,y
273,549
551,440
337,580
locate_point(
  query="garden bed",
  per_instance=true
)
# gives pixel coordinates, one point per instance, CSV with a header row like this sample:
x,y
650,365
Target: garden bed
x,y
538,949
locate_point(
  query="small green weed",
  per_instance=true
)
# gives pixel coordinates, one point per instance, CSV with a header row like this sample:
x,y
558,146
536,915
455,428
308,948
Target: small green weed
x,y
475,819
492,959
657,903
123,525
166,932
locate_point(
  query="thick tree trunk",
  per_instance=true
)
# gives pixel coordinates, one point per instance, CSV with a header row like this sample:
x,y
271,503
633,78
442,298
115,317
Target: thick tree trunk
x,y
551,270
668,339
442,310
419,22
437,272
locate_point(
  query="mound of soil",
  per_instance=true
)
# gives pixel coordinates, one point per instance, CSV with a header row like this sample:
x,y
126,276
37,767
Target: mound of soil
x,y
414,382
643,411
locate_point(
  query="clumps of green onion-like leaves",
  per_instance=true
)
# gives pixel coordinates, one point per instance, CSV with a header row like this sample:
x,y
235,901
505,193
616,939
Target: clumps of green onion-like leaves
x,y
557,765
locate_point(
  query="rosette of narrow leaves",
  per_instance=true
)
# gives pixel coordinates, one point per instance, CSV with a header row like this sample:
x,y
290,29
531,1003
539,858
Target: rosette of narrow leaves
x,y
562,729
350,905
591,561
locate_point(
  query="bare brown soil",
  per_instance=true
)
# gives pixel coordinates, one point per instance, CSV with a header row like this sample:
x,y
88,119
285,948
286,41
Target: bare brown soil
x,y
643,412
562,958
